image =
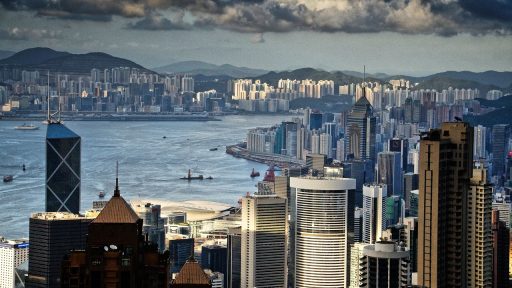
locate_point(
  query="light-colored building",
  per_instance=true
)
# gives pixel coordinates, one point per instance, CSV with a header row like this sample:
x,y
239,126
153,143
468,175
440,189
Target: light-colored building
x,y
357,259
264,241
374,212
13,253
324,211
479,244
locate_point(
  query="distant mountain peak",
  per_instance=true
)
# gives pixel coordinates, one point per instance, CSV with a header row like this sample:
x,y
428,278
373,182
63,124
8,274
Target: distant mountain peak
x,y
195,67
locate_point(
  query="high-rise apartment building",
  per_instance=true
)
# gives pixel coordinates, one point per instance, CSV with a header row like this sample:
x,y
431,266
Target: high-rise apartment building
x,y
52,235
324,213
479,225
264,241
479,150
374,212
62,169
445,169
360,132
386,265
13,253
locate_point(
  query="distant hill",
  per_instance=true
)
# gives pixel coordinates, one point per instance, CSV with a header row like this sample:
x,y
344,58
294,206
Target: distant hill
x,y
207,69
64,62
331,103
439,83
4,54
338,77
499,79
500,116
361,75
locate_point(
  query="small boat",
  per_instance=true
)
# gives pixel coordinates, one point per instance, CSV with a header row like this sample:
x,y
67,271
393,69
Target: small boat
x,y
209,177
214,149
254,173
24,168
190,177
165,137
8,178
101,194
26,127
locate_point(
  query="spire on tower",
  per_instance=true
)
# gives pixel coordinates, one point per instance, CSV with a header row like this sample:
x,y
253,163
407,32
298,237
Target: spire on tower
x,y
117,193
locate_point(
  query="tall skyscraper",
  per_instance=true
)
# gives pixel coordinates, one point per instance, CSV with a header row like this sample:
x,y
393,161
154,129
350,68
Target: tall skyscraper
x,y
360,131
389,172
374,212
400,145
386,264
13,253
479,150
500,138
214,257
62,169
52,235
264,241
323,230
479,244
446,166
501,242
234,258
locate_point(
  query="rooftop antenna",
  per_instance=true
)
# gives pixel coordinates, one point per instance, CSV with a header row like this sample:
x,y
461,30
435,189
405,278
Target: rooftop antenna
x,y
117,193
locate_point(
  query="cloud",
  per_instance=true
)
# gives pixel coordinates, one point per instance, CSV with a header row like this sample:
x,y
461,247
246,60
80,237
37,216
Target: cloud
x,y
156,21
257,38
439,17
17,33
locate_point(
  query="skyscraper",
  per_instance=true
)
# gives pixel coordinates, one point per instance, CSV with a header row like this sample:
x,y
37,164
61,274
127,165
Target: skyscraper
x,y
62,169
500,136
400,145
500,247
479,150
264,241
180,250
234,258
323,230
479,242
374,212
446,166
13,253
214,257
52,235
360,131
386,264
389,172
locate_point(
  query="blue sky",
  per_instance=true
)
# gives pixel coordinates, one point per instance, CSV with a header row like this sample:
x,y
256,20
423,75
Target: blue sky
x,y
415,37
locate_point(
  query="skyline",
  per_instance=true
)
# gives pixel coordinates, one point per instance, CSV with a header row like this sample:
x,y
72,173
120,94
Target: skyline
x,y
395,37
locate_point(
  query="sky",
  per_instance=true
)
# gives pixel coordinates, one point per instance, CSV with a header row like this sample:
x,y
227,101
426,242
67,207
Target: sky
x,y
414,37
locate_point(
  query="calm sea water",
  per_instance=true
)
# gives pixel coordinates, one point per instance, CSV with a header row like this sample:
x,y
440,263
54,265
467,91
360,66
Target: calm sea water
x,y
149,166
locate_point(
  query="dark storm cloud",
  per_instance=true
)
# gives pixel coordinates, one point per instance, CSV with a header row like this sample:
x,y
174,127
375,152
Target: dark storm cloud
x,y
440,17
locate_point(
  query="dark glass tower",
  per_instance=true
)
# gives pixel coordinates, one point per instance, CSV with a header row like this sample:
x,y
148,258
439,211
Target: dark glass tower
x,y
62,169
360,134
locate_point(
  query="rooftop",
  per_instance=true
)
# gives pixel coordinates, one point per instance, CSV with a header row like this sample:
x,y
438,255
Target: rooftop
x,y
58,131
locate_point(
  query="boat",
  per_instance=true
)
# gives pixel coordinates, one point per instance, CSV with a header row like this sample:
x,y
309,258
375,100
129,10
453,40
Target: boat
x,y
209,177
8,178
214,149
101,194
190,177
24,168
26,127
254,173
165,137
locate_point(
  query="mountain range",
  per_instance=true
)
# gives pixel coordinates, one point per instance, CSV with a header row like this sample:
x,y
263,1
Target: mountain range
x,y
206,73
4,54
208,69
41,58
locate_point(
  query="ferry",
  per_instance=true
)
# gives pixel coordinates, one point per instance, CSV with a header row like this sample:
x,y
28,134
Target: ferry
x,y
26,127
101,194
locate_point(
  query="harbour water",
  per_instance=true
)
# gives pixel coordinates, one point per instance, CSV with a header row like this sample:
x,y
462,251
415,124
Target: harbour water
x,y
149,164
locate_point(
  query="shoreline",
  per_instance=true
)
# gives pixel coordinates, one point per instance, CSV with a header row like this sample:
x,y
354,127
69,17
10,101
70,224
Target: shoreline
x,y
238,151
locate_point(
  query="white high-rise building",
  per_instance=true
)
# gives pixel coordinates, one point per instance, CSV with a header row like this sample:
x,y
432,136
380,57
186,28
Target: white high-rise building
x,y
264,241
356,261
479,143
315,143
324,211
385,265
374,212
13,253
326,145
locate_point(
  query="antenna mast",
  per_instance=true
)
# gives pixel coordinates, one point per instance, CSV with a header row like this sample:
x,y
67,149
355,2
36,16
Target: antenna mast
x,y
48,117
